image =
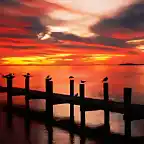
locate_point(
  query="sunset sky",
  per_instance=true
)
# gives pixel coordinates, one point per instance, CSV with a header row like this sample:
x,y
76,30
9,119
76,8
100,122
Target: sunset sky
x,y
71,32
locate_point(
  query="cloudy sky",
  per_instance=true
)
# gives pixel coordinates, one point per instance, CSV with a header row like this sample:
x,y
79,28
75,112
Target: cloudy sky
x,y
68,32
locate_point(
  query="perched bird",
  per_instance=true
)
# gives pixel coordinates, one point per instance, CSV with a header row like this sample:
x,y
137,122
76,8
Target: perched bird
x,y
10,75
105,79
71,77
28,74
76,95
48,77
82,81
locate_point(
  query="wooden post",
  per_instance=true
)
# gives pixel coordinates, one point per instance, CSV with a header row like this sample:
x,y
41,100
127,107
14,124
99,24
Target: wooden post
x,y
27,88
127,111
71,104
9,92
106,108
49,100
27,119
50,135
82,95
9,78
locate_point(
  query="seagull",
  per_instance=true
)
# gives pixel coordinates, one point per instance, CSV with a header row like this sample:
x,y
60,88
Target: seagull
x,y
28,74
10,75
105,79
82,81
48,77
71,77
76,95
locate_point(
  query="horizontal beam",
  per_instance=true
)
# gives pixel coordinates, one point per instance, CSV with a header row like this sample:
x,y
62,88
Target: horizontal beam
x,y
89,103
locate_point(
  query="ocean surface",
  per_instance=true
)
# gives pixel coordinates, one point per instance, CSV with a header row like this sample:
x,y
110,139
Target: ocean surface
x,y
119,77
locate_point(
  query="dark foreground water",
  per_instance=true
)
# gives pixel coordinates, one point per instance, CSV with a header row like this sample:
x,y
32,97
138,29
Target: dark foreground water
x,y
119,77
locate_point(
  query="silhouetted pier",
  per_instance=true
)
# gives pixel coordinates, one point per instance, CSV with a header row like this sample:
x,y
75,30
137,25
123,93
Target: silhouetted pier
x,y
130,111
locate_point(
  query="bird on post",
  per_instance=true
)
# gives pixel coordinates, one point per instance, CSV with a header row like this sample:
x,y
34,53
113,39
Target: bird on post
x,y
27,75
105,79
71,77
10,75
49,77
82,81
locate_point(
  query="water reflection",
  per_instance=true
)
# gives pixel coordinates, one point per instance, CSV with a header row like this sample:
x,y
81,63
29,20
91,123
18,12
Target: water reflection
x,y
9,119
50,134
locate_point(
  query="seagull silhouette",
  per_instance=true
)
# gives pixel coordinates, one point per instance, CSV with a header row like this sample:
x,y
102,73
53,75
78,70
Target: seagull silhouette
x,y
28,74
82,81
10,75
71,77
76,95
105,79
48,77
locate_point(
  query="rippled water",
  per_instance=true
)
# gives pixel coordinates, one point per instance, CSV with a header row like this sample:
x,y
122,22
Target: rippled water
x,y
119,77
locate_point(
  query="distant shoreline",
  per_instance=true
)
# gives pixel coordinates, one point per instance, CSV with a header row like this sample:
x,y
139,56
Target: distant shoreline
x,y
122,64
130,64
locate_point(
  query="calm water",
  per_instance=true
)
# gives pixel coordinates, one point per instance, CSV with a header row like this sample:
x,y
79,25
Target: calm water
x,y
119,77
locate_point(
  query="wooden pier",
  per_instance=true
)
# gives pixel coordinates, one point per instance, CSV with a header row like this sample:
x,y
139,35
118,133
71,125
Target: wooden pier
x,y
129,111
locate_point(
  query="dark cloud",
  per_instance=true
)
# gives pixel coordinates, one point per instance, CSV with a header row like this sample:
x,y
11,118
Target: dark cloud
x,y
9,3
31,30
35,26
19,47
132,19
66,36
93,40
107,41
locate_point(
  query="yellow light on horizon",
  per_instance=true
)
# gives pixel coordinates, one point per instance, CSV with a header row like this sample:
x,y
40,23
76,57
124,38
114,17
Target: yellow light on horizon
x,y
100,57
46,59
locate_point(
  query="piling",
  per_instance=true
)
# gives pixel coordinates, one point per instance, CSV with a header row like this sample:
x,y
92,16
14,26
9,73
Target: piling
x,y
9,91
49,100
27,88
127,111
82,110
27,119
106,108
9,79
71,104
